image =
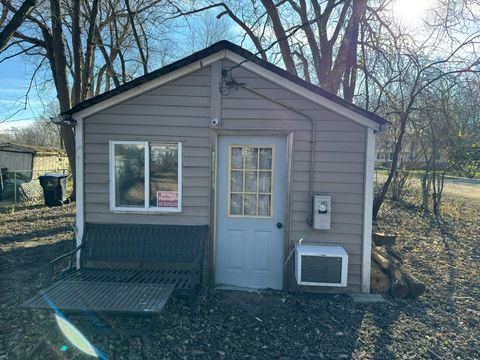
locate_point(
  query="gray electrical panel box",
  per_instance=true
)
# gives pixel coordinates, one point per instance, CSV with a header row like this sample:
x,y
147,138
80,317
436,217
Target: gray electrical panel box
x,y
322,209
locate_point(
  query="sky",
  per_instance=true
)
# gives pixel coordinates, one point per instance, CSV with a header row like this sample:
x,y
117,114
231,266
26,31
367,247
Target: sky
x,y
14,83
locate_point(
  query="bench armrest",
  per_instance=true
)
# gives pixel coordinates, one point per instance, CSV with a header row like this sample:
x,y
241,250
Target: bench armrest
x,y
198,259
52,263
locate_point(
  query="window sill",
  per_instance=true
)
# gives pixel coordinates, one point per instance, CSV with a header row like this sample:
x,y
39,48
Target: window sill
x,y
145,211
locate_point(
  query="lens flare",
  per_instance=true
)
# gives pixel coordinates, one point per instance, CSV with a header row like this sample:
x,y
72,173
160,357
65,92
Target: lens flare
x,y
75,337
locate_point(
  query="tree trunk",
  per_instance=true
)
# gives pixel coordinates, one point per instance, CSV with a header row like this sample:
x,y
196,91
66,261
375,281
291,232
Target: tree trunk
x,y
312,41
438,183
68,137
426,186
77,53
281,36
345,62
377,203
59,70
87,83
137,38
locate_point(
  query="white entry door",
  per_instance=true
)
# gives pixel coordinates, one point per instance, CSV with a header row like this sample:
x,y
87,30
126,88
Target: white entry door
x,y
251,193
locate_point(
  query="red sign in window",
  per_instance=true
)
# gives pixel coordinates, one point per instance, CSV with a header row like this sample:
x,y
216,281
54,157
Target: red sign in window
x,y
168,199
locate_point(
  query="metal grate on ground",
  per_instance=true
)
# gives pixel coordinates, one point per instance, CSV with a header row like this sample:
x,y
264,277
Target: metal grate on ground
x,y
106,297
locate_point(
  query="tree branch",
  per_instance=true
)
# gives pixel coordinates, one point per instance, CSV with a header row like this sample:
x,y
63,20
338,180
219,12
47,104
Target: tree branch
x,y
137,38
18,18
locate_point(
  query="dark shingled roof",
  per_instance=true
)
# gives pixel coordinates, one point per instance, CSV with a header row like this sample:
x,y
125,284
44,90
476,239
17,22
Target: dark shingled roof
x,y
11,147
219,46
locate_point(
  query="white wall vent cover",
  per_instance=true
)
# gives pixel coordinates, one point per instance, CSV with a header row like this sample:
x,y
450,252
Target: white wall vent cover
x,y
321,265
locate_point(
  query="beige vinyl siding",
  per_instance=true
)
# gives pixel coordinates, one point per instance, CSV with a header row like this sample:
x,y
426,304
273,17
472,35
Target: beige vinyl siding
x,y
180,111
177,111
339,161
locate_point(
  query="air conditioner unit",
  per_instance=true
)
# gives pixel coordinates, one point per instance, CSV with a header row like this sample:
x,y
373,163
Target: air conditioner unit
x,y
321,265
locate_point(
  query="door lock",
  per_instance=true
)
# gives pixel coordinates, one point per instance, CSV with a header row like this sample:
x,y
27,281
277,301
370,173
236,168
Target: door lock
x,y
279,225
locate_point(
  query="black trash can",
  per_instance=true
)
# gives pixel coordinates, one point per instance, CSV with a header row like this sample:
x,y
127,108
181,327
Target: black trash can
x,y
54,189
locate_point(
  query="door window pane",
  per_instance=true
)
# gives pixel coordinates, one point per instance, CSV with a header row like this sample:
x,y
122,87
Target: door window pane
x,y
265,182
250,204
265,159
264,205
129,175
250,184
251,157
236,204
237,181
164,175
251,181
237,158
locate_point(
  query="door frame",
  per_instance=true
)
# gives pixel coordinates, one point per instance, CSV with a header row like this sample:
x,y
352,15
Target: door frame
x,y
289,137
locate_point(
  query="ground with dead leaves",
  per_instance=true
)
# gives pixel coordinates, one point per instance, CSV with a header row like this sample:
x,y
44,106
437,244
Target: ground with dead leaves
x,y
443,324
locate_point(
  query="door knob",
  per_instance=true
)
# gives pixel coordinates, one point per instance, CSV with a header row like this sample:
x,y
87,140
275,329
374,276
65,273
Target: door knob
x,y
279,225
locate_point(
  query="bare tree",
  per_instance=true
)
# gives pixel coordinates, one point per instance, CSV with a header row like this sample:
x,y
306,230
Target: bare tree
x,y
74,37
40,133
330,29
400,68
463,114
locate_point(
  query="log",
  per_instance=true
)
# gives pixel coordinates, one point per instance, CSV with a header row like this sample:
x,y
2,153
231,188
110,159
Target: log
x,y
379,281
398,285
417,288
394,254
382,239
391,255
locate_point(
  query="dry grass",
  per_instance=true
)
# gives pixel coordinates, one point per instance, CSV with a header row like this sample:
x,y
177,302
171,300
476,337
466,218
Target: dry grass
x,y
443,324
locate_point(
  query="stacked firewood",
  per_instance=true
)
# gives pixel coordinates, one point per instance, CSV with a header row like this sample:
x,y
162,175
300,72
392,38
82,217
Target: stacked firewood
x,y
387,272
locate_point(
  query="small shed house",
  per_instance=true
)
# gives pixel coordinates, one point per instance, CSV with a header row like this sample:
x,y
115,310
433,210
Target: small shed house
x,y
49,159
28,158
17,158
226,139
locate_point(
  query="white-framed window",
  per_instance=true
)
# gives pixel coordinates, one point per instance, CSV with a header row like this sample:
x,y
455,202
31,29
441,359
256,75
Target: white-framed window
x,y
145,176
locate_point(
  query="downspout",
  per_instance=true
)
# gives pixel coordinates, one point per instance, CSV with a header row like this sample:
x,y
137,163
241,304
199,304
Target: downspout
x,y
313,140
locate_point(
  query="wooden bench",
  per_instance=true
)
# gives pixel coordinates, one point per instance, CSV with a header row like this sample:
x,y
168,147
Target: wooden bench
x,y
125,269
